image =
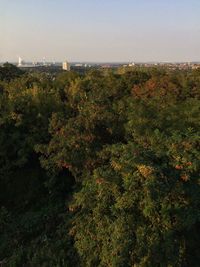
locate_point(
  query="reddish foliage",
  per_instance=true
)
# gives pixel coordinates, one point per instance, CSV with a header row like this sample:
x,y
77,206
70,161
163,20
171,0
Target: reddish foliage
x,y
185,177
178,167
100,181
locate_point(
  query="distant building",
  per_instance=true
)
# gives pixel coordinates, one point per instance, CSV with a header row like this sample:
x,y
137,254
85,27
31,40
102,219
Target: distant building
x,y
44,61
20,62
78,65
66,66
131,64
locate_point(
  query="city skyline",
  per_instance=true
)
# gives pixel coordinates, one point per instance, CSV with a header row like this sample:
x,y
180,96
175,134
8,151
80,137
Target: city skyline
x,y
100,31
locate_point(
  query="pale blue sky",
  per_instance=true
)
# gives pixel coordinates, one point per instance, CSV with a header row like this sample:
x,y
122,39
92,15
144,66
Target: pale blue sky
x,y
100,30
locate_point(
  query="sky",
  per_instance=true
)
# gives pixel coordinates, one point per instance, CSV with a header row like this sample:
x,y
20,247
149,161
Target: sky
x,y
100,30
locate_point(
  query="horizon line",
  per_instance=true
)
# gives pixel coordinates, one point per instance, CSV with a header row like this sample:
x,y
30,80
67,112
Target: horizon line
x,y
101,61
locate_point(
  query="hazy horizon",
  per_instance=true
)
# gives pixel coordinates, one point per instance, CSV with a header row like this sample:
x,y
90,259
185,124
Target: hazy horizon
x,y
100,31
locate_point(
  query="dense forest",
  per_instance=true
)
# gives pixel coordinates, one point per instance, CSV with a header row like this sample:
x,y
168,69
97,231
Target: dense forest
x,y
100,169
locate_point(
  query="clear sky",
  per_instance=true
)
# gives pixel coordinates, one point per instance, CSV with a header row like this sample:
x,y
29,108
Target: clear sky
x,y
100,30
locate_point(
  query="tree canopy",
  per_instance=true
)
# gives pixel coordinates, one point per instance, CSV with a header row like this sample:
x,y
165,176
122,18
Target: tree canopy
x,y
100,169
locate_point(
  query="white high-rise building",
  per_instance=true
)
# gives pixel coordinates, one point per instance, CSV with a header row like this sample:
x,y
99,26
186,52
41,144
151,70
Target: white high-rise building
x,y
66,66
19,62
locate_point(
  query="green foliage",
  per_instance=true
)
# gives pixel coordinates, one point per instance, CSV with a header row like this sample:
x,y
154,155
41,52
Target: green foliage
x,y
9,72
100,169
